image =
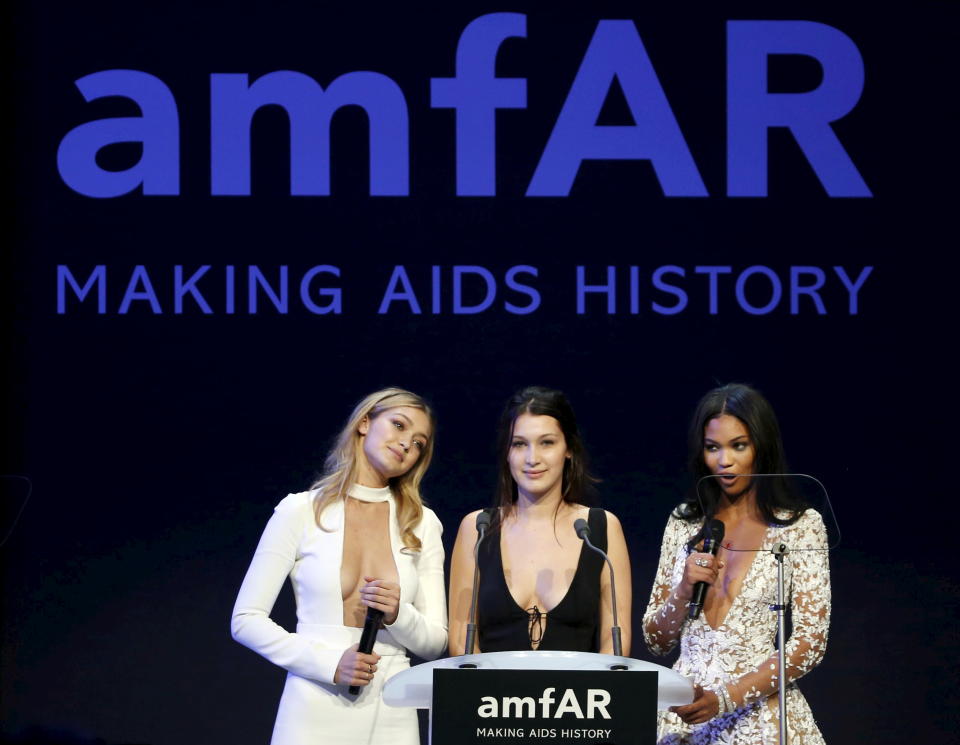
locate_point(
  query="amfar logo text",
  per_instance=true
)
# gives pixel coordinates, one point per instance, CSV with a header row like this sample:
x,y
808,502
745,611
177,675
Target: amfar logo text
x,y
615,53
526,706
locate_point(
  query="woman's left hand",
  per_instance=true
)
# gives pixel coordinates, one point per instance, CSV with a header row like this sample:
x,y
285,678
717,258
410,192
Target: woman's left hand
x,y
380,594
705,707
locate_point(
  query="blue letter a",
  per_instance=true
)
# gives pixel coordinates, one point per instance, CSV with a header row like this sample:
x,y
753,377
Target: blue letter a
x,y
158,130
616,51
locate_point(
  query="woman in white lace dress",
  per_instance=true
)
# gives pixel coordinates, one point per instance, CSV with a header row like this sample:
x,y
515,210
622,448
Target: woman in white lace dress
x,y
729,650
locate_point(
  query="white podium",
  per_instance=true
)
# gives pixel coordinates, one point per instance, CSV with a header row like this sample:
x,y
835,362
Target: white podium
x,y
414,687
554,673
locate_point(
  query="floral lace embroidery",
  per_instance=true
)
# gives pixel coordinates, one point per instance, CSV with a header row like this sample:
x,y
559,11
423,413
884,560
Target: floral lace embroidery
x,y
741,653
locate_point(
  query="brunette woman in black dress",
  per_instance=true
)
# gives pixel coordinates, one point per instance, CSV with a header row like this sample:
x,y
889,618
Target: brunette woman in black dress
x,y
540,587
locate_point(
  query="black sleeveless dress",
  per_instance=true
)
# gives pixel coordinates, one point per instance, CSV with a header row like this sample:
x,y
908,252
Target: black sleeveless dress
x,y
573,625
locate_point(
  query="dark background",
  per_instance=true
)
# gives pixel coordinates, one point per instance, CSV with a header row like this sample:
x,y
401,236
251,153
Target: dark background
x,y
156,445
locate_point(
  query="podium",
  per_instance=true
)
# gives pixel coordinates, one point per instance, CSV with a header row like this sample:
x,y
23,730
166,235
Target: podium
x,y
539,696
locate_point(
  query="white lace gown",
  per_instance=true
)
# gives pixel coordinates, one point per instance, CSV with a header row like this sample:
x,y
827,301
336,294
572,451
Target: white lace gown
x,y
742,648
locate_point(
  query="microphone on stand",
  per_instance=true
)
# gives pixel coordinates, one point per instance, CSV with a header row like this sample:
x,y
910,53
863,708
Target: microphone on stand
x,y
367,638
712,537
483,523
583,532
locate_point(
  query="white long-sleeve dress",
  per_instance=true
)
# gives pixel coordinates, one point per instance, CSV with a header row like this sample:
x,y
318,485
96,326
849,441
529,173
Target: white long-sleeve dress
x,y
741,649
312,709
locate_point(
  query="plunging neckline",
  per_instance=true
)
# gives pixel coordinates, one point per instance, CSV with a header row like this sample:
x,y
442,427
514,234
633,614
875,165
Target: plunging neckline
x,y
366,494
566,594
743,582
572,620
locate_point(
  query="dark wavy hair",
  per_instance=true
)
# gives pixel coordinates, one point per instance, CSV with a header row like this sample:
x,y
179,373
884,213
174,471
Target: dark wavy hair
x,y
577,485
756,414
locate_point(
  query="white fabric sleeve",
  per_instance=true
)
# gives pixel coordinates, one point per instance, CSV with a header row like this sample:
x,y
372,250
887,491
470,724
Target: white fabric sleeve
x,y
421,625
810,611
251,624
666,612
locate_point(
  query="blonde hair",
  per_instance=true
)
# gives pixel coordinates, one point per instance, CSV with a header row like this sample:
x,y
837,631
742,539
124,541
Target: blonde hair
x,y
340,467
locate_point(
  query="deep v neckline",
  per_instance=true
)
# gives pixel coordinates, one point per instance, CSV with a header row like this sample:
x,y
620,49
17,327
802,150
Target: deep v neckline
x,y
366,494
743,582
571,621
566,594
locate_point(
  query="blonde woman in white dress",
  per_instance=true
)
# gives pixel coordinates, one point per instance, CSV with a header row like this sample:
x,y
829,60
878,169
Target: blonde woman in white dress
x,y
729,651
359,538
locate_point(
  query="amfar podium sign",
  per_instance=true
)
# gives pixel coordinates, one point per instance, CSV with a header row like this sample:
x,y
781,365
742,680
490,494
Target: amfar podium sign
x,y
554,707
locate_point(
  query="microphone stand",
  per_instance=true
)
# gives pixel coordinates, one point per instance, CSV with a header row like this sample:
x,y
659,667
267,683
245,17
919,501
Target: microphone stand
x,y
779,551
471,623
584,533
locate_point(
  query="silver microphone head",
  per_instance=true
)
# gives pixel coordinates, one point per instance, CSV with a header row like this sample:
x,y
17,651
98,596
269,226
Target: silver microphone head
x,y
581,528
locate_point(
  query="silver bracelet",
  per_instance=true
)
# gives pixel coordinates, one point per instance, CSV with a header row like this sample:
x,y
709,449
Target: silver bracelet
x,y
724,702
721,700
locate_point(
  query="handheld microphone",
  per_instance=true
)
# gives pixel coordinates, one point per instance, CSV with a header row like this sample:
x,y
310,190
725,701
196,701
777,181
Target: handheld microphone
x,y
483,523
367,638
712,536
583,533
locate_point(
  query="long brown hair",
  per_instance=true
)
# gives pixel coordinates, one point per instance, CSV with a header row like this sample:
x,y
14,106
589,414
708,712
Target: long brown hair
x,y
577,485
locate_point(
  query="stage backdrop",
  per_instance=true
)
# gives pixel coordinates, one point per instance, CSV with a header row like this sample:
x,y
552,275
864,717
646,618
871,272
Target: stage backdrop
x,y
232,220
